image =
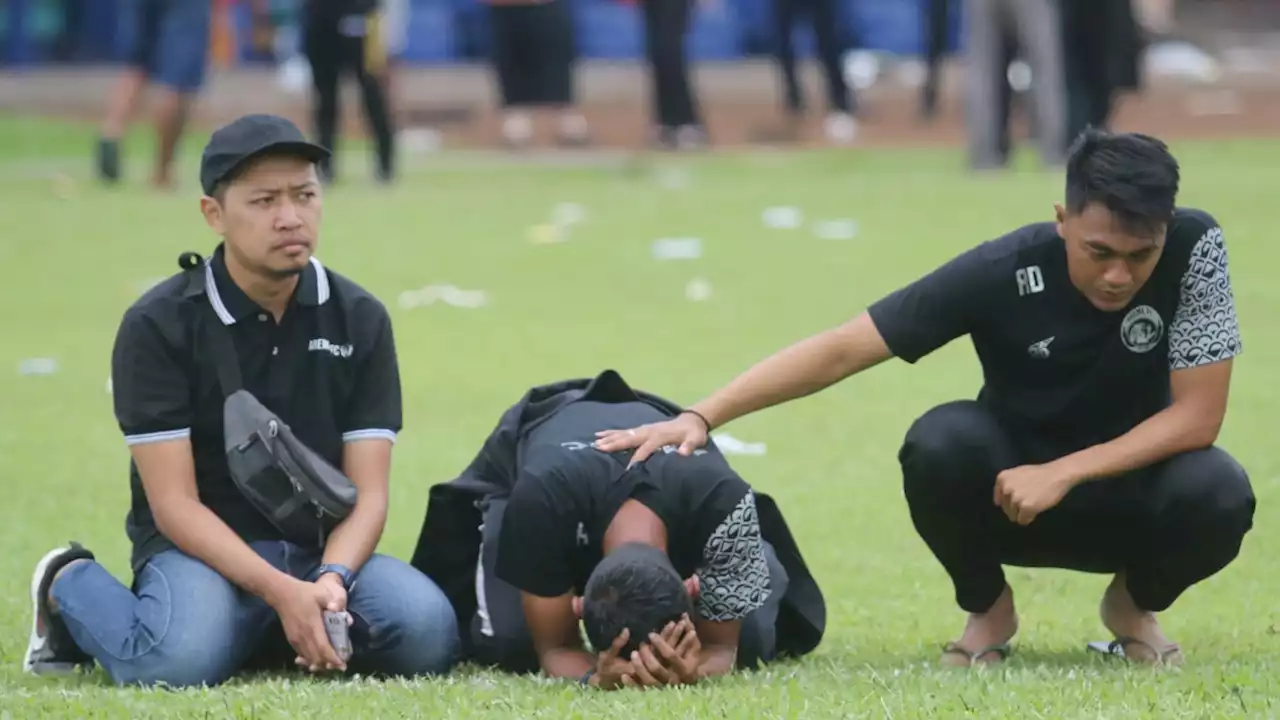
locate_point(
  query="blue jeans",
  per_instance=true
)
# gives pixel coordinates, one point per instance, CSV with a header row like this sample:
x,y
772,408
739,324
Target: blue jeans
x,y
186,625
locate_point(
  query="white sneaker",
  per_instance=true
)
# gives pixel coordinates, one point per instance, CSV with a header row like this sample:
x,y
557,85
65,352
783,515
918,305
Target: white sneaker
x,y
840,128
50,649
517,129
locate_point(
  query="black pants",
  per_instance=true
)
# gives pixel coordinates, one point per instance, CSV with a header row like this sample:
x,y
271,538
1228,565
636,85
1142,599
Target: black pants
x,y
1167,526
1086,60
533,53
337,44
498,636
666,23
824,17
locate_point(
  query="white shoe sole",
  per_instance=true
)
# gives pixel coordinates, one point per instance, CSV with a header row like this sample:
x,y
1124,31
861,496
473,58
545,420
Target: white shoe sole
x,y
36,643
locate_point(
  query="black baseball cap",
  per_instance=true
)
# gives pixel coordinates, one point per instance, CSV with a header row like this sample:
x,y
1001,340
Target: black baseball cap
x,y
249,137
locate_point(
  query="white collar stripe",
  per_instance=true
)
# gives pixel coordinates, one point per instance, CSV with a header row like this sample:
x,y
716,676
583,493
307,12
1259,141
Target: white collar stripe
x,y
211,290
322,281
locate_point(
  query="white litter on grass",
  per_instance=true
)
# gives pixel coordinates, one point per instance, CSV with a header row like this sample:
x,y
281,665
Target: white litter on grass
x,y
730,445
677,248
38,366
110,386
448,294
698,290
843,229
782,218
547,234
420,140
567,214
673,178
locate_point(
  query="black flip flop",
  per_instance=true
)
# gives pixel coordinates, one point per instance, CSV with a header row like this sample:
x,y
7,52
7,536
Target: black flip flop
x,y
1115,648
1004,650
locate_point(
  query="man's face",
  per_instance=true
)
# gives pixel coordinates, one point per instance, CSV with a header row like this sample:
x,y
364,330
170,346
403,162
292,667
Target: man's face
x,y
269,216
1107,263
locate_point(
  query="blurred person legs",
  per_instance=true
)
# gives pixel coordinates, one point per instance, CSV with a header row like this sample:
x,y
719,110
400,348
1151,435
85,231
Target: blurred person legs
x,y
937,16
824,17
170,50
1035,25
666,25
340,37
533,57
1101,48
395,34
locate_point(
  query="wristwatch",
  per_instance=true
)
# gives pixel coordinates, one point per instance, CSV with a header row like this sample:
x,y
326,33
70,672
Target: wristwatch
x,y
343,572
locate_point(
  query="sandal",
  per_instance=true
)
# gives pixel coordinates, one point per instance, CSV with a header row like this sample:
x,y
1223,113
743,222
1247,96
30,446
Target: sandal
x,y
1002,649
1116,648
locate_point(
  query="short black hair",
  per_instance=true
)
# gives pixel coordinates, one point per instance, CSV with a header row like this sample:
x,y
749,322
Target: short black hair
x,y
1131,174
635,587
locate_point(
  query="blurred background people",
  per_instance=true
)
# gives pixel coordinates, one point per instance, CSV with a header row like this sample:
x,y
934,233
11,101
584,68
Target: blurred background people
x,y
342,37
1102,46
1035,28
533,57
824,17
169,49
675,109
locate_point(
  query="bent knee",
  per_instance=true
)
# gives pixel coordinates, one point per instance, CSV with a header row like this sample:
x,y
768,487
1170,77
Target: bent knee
x,y
942,432
1211,484
177,666
410,622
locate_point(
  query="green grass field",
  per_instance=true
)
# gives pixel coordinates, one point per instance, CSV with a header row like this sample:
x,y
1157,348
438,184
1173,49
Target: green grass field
x,y
73,261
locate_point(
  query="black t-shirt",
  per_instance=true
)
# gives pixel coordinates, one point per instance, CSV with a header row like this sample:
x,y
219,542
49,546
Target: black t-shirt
x,y
329,370
567,493
1053,363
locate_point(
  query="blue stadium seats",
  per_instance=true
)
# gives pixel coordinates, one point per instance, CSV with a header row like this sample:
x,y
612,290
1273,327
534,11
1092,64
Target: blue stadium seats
x,y
609,29
431,36
714,33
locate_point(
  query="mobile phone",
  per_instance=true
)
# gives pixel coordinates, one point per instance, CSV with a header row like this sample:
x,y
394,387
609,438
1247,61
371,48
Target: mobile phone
x,y
336,625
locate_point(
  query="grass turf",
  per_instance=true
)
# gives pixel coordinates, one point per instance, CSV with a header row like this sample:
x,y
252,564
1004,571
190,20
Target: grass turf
x,y
75,255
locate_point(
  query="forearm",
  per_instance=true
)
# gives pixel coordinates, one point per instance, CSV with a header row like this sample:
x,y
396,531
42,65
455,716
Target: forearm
x,y
198,532
717,660
802,369
1174,430
353,541
567,663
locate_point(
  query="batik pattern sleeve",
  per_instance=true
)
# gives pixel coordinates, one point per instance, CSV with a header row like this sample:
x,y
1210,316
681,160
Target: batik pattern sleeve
x,y
945,304
1204,328
734,576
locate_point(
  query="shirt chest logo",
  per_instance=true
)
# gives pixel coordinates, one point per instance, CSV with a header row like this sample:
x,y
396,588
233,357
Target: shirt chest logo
x,y
1141,329
323,345
1040,348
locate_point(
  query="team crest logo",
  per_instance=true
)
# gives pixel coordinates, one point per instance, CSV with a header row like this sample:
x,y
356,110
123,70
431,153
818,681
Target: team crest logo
x,y
1141,329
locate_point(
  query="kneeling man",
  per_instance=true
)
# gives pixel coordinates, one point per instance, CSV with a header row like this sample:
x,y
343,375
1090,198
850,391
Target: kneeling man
x,y
677,569
1106,340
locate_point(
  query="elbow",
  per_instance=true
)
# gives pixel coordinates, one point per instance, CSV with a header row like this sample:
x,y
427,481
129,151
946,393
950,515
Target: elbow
x,y
1202,428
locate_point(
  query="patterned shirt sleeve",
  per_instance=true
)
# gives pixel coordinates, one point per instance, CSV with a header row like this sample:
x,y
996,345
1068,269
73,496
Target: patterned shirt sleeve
x,y
1204,328
734,576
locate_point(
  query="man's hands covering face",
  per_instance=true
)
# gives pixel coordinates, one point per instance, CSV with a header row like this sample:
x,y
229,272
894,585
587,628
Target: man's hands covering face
x,y
671,657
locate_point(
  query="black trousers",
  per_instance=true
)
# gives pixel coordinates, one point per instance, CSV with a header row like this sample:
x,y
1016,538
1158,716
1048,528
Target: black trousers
x,y
1167,526
1086,60
824,17
666,24
533,53
336,45
498,636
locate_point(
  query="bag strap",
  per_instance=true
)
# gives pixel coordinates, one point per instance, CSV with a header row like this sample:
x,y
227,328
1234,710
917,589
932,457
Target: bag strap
x,y
199,274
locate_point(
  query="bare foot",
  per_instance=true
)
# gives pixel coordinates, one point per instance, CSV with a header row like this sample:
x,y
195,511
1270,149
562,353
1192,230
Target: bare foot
x,y
986,635
1135,629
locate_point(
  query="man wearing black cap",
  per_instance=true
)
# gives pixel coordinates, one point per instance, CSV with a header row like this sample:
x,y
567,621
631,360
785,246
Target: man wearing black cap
x,y
676,567
214,582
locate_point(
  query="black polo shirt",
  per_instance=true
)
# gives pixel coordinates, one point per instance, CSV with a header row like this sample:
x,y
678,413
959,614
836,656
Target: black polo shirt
x,y
567,494
1052,363
328,369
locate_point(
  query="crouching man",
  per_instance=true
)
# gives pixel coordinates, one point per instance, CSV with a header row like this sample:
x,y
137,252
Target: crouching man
x,y
677,569
214,581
